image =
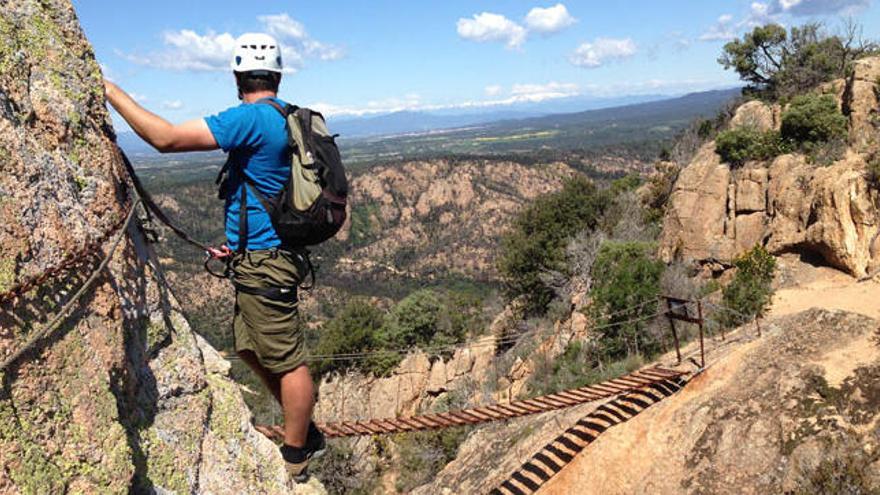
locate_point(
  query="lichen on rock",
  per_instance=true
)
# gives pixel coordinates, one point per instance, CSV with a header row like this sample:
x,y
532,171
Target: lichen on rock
x,y
123,397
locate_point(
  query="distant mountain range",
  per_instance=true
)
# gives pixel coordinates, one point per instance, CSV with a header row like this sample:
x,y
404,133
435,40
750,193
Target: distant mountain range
x,y
425,121
566,111
639,127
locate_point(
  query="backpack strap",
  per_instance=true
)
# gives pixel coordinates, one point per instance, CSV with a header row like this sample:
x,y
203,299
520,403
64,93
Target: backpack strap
x,y
267,205
304,116
274,104
243,216
300,137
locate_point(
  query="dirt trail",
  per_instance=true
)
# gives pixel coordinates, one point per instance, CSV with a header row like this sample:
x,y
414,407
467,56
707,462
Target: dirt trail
x,y
828,289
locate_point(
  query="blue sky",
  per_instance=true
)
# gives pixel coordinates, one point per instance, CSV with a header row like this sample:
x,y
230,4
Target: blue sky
x,y
356,58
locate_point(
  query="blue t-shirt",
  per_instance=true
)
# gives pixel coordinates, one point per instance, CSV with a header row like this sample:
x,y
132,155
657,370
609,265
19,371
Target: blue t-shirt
x,y
255,137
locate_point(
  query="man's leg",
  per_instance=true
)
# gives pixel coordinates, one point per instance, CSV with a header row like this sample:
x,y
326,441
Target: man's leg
x,y
297,400
270,380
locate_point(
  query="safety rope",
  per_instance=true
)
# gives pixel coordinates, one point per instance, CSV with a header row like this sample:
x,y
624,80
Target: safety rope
x,y
648,377
117,235
151,205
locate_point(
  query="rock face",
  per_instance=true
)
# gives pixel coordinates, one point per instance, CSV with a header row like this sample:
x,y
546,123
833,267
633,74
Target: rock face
x,y
794,412
715,213
861,103
440,215
697,225
123,397
757,115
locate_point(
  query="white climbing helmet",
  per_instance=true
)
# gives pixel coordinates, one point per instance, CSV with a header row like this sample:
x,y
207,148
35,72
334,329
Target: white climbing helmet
x,y
256,52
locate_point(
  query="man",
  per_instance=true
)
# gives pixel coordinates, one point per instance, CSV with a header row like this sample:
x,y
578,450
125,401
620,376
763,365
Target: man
x,y
266,330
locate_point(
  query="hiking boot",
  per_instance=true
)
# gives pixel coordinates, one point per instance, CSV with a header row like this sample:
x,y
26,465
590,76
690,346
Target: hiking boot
x,y
297,458
297,463
316,445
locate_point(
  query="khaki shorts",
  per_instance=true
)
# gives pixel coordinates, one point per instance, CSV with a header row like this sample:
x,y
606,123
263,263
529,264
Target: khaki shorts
x,y
269,328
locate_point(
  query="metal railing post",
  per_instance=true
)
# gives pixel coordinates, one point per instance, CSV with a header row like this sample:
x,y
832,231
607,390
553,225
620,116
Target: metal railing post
x,y
672,326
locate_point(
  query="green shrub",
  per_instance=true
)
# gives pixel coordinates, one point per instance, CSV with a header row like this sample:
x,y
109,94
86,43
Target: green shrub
x,y
812,119
365,224
750,292
741,144
352,330
536,242
625,275
424,319
424,454
413,321
577,366
339,473
660,187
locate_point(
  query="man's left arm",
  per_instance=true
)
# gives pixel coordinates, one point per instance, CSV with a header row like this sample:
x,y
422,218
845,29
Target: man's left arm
x,y
166,137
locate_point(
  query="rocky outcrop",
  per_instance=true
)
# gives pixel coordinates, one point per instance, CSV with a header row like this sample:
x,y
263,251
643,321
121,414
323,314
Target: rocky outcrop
x,y
697,223
757,115
716,213
439,216
862,104
123,397
410,388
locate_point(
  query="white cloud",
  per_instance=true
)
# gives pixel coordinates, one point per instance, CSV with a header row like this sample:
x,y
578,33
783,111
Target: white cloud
x,y
723,30
172,104
487,26
656,86
493,90
775,11
678,41
188,50
549,20
193,51
139,98
817,7
283,26
289,30
760,14
518,93
541,92
601,50
491,27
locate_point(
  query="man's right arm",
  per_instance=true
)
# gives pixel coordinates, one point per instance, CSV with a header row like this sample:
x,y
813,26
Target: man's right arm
x,y
166,137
